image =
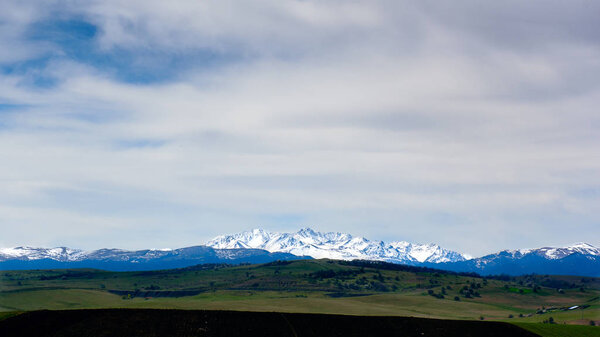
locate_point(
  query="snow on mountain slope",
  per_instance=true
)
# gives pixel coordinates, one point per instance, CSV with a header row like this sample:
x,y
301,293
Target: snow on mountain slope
x,y
30,253
334,245
305,242
104,257
64,254
579,259
546,253
555,253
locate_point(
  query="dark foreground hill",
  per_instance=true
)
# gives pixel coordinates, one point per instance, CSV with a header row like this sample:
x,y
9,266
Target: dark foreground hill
x,y
176,323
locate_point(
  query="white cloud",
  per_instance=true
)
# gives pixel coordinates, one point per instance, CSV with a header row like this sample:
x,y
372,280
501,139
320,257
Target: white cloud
x,y
378,118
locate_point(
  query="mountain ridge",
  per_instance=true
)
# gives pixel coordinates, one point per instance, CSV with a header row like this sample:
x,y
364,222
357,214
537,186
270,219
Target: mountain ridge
x,y
125,260
336,245
259,246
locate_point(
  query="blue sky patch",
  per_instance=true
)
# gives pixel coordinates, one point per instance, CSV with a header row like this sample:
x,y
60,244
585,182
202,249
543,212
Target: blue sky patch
x,y
76,40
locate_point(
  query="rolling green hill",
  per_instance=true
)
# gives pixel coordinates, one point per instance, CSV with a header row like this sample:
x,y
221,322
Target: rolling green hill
x,y
312,286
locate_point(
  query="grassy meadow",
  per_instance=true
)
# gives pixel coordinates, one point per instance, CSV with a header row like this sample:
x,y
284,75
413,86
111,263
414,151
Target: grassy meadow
x,y
317,286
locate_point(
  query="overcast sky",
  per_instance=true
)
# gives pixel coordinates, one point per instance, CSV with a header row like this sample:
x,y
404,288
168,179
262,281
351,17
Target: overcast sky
x,y
140,124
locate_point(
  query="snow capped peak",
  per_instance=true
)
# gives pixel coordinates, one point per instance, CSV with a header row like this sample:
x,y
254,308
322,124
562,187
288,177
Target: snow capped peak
x,y
307,231
581,245
560,252
304,242
335,245
554,253
31,253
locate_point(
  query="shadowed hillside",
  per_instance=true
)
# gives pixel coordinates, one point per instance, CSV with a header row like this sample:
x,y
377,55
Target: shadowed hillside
x,y
175,323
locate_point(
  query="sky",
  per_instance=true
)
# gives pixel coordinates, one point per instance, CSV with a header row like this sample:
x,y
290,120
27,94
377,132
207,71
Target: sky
x,y
151,124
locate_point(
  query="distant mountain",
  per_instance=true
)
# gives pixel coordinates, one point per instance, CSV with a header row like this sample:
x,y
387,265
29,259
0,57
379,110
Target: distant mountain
x,y
556,253
260,246
579,259
120,260
339,246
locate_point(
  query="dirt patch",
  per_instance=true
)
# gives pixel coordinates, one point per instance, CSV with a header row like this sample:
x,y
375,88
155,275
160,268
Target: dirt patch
x,y
583,322
154,293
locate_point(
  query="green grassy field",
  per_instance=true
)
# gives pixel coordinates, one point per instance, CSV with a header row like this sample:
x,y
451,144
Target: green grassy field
x,y
314,286
559,330
7,314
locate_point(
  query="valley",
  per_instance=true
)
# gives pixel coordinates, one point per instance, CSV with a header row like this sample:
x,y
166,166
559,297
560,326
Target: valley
x,y
363,288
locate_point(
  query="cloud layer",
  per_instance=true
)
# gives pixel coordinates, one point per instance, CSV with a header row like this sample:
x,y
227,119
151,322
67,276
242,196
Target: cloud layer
x,y
162,124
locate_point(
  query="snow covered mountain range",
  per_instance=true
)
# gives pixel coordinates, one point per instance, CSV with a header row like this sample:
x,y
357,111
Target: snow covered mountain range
x,y
334,245
554,253
259,246
119,259
579,259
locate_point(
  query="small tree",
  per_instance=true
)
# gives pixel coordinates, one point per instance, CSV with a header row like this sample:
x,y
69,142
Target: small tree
x,y
456,298
510,316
